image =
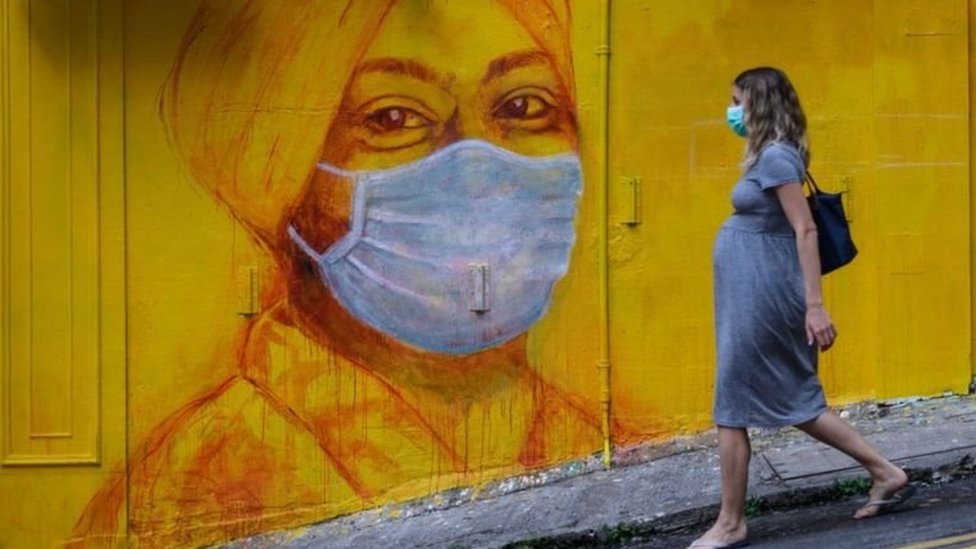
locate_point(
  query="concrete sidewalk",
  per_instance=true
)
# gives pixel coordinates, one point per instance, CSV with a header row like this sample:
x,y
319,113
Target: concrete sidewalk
x,y
656,489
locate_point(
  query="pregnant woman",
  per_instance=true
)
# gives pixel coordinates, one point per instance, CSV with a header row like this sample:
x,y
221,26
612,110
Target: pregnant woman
x,y
770,319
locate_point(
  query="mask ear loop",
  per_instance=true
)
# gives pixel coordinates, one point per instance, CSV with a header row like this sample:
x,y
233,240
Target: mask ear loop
x,y
356,219
335,170
293,232
296,237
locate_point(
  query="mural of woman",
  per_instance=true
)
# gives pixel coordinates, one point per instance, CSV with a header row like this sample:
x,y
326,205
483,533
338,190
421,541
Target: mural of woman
x,y
412,168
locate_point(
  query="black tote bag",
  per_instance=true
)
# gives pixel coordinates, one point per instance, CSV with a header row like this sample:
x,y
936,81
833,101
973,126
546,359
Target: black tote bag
x,y
833,232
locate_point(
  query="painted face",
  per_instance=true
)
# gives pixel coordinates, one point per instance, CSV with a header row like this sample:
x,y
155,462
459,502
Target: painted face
x,y
472,131
476,74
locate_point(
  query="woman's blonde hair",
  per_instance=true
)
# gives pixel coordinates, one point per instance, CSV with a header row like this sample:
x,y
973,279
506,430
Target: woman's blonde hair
x,y
772,112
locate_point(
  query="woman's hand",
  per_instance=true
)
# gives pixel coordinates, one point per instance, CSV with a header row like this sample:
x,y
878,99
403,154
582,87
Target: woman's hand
x,y
820,328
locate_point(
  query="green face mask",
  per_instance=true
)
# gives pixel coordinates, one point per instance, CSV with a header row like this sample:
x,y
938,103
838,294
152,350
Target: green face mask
x,y
735,117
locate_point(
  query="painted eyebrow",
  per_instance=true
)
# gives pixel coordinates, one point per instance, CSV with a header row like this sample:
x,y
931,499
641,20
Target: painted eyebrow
x,y
496,69
405,67
505,64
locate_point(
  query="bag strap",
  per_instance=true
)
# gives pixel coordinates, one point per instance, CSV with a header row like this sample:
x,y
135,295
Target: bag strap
x,y
814,189
812,182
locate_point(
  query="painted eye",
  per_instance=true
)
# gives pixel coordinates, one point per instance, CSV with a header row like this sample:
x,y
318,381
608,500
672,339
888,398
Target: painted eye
x,y
524,107
391,119
393,122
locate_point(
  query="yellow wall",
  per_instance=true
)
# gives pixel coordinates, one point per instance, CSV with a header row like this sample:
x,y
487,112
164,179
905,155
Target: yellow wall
x,y
62,264
883,85
170,163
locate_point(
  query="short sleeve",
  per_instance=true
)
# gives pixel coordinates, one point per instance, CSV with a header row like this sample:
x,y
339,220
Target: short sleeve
x,y
778,165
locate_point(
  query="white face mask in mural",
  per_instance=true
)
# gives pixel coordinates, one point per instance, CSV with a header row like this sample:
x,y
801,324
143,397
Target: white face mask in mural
x,y
458,251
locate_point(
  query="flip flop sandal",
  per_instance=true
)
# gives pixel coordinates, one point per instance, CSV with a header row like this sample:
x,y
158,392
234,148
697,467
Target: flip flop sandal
x,y
713,545
896,499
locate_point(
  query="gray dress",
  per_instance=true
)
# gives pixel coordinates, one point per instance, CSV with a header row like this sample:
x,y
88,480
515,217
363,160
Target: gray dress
x,y
767,374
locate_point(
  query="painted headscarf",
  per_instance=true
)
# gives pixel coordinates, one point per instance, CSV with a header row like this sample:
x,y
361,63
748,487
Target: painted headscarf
x,y
256,85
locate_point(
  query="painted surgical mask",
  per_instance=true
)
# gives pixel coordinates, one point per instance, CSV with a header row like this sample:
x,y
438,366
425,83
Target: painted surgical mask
x,y
458,251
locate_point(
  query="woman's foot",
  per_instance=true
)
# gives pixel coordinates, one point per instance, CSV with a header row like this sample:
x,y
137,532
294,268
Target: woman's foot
x,y
883,489
724,534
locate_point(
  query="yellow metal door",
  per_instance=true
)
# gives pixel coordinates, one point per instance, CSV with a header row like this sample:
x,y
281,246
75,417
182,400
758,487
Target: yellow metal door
x,y
885,89
62,356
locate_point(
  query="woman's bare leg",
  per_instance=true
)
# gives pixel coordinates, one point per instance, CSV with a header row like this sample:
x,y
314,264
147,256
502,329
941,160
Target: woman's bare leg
x,y
887,478
734,452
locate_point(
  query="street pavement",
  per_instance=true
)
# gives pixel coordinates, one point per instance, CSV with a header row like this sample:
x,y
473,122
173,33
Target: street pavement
x,y
670,491
939,516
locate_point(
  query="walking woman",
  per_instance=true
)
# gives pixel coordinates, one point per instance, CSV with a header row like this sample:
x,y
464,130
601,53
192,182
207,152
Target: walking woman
x,y
770,319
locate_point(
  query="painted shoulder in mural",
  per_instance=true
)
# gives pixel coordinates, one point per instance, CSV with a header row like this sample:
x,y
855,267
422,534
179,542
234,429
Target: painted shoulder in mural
x,y
419,201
